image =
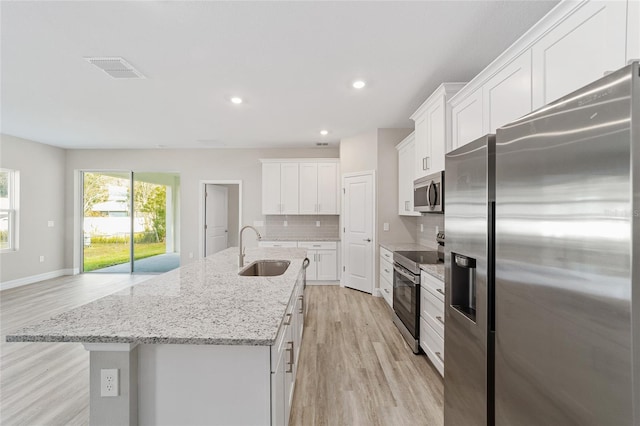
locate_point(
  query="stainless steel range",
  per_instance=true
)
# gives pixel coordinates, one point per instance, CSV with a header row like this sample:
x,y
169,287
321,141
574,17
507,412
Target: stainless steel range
x,y
406,293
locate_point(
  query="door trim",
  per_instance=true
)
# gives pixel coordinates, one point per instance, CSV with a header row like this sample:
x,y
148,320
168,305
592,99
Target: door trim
x,y
374,234
201,208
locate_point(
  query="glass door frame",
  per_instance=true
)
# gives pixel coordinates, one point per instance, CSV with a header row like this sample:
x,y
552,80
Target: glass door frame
x,y
82,216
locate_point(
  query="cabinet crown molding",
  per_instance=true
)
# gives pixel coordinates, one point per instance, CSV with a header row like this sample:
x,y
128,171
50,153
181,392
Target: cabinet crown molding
x,y
445,89
406,141
548,22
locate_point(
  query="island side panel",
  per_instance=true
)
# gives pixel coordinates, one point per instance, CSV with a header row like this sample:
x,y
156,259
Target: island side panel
x,y
116,410
204,384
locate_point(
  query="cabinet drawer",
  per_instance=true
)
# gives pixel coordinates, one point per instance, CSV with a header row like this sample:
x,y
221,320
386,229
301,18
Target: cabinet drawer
x,y
432,310
318,245
386,289
386,270
386,254
433,345
286,244
432,284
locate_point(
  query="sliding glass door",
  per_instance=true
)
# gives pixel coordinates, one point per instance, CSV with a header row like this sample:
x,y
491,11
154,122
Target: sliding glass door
x,y
130,233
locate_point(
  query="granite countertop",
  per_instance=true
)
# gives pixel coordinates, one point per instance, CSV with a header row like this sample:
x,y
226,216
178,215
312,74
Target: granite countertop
x,y
267,238
205,302
436,270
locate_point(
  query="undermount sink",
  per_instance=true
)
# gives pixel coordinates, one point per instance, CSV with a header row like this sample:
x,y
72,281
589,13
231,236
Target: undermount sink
x,y
265,268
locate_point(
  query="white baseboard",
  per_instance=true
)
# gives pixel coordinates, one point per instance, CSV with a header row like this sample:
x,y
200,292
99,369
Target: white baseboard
x,y
309,282
35,278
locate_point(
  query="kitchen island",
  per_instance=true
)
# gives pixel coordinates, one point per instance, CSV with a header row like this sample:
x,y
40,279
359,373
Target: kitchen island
x,y
197,345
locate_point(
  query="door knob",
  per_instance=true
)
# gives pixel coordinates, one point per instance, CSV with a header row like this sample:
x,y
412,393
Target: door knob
x,y
367,240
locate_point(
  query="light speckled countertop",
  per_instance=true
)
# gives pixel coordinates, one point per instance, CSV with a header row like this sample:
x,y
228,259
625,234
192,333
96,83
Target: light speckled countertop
x,y
436,270
205,302
266,238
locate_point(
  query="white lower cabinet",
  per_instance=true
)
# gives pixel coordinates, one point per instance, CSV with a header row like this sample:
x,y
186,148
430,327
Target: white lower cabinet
x,y
286,244
432,320
386,275
284,358
323,257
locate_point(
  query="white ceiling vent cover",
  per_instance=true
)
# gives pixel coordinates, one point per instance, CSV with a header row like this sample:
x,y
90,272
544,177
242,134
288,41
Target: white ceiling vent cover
x,y
115,67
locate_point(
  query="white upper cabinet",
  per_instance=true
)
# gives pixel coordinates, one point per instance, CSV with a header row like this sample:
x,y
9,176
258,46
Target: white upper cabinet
x,y
580,49
433,130
328,191
271,188
406,161
280,188
573,45
507,95
467,122
306,186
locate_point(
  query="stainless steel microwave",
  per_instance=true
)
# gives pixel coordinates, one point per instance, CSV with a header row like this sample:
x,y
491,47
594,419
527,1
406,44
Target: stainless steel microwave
x,y
428,193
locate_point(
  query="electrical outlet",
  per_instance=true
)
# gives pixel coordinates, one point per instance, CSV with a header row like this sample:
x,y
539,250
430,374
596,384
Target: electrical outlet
x,y
385,226
285,223
41,259
50,224
421,228
109,382
317,223
190,255
437,230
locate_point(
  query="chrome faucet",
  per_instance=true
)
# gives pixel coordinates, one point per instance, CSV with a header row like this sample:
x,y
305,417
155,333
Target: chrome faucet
x,y
241,254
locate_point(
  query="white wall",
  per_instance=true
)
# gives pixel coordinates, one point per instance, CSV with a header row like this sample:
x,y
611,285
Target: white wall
x,y
193,166
359,153
42,195
401,228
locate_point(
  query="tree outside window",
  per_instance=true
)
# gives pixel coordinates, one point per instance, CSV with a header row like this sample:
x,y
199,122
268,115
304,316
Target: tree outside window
x,y
8,206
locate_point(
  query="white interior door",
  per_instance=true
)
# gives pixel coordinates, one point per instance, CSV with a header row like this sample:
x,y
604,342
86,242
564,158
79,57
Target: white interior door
x,y
216,220
358,232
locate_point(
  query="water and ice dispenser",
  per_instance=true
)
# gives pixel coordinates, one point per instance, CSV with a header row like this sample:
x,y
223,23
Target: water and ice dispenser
x,y
463,285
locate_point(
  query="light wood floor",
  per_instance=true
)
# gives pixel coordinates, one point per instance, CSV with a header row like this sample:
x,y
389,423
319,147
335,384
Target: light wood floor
x,y
354,369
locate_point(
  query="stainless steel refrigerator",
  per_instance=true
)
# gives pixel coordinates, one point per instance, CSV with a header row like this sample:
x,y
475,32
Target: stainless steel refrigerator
x,y
564,303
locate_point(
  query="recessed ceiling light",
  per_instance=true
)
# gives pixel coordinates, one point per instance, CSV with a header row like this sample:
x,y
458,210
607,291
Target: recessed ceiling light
x,y
359,84
324,132
236,100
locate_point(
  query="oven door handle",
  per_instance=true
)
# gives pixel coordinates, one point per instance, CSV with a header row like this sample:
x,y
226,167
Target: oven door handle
x,y
413,279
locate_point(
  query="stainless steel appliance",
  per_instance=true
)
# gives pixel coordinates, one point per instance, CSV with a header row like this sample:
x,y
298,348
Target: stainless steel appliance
x,y
428,194
567,281
406,293
468,283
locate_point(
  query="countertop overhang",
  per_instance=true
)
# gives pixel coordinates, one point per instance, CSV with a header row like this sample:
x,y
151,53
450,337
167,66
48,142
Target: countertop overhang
x,y
205,303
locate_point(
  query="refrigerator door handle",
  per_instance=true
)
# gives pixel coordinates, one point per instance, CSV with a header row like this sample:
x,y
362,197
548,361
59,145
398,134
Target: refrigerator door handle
x,y
465,262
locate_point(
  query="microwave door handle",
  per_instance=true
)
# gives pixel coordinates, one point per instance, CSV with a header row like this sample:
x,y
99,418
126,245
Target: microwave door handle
x,y
429,203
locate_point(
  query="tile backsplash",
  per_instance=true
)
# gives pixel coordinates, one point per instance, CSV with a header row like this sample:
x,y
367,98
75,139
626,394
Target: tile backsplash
x,y
302,227
429,222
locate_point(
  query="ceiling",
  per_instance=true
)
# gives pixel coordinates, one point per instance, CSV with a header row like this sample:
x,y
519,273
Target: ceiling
x,y
293,64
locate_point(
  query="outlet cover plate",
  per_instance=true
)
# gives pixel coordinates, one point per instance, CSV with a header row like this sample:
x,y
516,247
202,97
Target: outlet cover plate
x,y
109,382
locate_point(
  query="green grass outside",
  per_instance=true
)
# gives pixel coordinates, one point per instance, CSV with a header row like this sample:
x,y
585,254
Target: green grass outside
x,y
98,256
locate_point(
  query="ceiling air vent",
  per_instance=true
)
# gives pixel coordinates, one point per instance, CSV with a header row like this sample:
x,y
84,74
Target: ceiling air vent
x,y
115,67
322,143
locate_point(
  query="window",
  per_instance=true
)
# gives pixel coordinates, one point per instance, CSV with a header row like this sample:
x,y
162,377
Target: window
x,y
8,208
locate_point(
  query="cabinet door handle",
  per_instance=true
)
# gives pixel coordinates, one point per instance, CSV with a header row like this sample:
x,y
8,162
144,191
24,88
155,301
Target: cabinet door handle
x,y
289,321
386,255
316,245
290,370
439,355
427,158
386,270
301,298
387,290
367,240
440,319
439,290
424,163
